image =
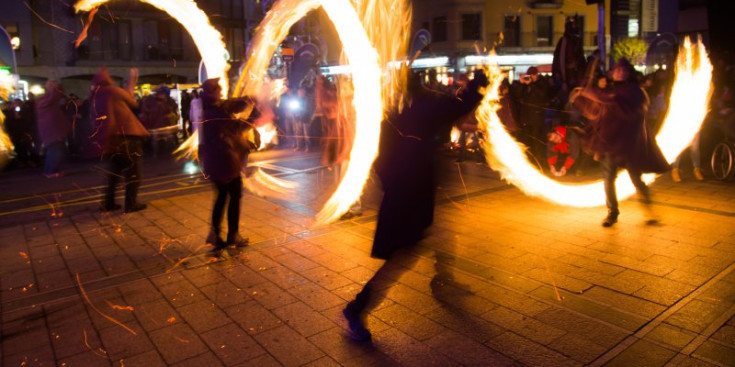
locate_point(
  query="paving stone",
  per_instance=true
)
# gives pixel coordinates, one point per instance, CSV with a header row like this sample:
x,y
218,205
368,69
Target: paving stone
x,y
206,359
264,360
725,334
37,357
583,326
156,315
225,294
232,345
338,346
408,351
315,296
177,343
74,338
303,319
120,343
523,325
139,292
181,293
326,278
643,353
408,321
527,351
288,346
466,351
203,316
88,358
716,352
671,335
203,276
150,358
696,315
253,317
625,302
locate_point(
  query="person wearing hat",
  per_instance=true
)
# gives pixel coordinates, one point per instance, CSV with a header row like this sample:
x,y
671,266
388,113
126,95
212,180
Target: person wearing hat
x,y
533,95
120,134
617,136
223,151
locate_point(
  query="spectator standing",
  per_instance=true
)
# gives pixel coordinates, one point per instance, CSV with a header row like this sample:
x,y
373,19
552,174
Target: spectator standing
x,y
121,136
21,134
533,94
302,120
53,128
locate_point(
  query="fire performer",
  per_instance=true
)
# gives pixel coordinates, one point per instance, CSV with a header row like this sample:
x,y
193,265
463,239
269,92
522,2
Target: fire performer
x,y
406,170
617,135
121,136
223,150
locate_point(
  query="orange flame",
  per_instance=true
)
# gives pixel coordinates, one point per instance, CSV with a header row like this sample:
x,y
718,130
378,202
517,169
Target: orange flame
x,y
688,105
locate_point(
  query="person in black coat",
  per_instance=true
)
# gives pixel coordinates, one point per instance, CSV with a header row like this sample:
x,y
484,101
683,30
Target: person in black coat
x,y
617,135
223,151
406,168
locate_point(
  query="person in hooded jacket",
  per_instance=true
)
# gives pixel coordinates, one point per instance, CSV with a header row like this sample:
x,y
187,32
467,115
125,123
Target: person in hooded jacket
x,y
406,167
120,135
618,137
223,152
53,128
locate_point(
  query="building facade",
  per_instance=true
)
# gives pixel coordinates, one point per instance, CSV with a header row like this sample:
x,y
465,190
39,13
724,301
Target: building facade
x,y
124,34
523,33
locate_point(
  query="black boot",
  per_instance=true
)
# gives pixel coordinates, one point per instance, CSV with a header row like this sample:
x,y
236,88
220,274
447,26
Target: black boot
x,y
612,218
356,325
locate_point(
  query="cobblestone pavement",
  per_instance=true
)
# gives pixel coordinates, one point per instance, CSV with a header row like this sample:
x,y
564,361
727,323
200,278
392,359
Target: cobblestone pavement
x,y
533,283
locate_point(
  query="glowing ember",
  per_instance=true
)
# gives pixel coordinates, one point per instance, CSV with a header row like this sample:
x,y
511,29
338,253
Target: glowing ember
x,y
207,39
687,108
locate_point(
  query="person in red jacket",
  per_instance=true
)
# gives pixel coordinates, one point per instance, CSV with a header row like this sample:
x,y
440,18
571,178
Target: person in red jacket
x,y
120,135
562,150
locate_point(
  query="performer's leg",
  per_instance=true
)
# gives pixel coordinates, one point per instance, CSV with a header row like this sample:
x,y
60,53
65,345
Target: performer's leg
x,y
610,173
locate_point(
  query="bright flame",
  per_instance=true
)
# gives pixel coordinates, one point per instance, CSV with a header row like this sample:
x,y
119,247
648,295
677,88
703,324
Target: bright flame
x,y
367,101
6,145
262,184
207,39
268,134
388,26
454,135
687,108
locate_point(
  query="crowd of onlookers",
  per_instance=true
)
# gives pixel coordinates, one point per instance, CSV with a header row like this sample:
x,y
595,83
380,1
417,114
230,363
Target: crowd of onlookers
x,y
535,109
56,127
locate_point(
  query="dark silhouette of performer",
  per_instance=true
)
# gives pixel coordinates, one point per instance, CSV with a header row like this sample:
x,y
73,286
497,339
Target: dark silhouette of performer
x,y
618,137
405,167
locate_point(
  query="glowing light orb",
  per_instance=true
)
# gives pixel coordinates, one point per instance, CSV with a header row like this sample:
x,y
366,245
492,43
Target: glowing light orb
x,y
367,90
688,106
206,38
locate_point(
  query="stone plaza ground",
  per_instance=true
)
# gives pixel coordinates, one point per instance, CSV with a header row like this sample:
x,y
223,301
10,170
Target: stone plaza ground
x,y
532,283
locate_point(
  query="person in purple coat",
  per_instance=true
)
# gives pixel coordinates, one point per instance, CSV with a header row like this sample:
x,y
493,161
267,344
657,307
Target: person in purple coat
x,y
53,128
223,152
